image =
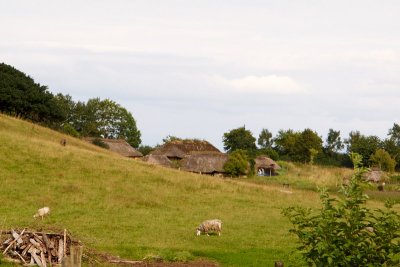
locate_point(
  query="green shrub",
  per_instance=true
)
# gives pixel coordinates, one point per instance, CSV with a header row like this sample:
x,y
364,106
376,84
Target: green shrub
x,y
70,130
345,232
383,160
100,143
237,163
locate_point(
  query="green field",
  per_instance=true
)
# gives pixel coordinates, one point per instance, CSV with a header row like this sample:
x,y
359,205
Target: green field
x,y
134,210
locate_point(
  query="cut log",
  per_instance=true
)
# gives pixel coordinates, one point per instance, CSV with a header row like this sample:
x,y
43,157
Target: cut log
x,y
60,250
12,242
22,259
36,244
37,260
65,242
43,259
26,249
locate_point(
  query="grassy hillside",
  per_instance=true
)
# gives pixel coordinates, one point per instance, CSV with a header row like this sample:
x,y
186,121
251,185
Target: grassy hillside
x,y
131,209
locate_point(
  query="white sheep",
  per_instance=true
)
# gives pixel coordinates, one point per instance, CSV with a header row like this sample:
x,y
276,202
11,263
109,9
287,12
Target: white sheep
x,y
42,212
209,226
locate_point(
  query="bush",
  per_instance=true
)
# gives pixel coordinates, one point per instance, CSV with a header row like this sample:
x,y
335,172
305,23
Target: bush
x,y
383,160
100,143
345,232
70,130
237,163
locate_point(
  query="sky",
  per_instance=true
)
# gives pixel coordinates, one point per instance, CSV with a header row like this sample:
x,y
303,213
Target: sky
x,y
199,68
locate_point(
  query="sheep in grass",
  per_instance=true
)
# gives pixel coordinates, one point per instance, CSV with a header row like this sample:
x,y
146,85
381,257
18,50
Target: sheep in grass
x,y
206,227
42,212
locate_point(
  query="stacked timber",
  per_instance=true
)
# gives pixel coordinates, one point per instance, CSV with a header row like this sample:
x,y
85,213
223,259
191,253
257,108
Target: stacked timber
x,y
35,248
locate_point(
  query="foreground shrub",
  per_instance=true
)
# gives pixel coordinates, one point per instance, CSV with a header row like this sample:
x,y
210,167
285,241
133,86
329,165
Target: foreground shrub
x,y
344,232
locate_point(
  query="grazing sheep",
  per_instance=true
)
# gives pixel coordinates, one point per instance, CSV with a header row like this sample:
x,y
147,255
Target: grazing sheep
x,y
42,212
209,226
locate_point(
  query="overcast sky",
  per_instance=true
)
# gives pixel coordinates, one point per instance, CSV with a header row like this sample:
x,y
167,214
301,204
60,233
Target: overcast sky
x,y
199,68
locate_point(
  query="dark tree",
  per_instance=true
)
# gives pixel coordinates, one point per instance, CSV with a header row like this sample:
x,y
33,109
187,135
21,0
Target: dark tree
x,y
333,142
307,146
21,96
363,145
239,138
285,142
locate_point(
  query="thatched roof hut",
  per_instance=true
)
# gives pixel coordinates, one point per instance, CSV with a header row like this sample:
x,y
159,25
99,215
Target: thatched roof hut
x,y
375,175
161,160
178,149
204,162
265,166
119,146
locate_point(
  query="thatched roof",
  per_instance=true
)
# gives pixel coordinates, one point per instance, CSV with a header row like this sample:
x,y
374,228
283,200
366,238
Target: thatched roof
x,y
374,175
181,148
119,146
158,160
265,163
204,162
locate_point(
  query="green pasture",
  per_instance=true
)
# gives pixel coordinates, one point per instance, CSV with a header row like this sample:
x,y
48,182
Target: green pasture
x,y
130,209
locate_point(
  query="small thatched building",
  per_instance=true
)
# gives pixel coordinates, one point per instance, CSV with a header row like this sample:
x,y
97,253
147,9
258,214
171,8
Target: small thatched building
x,y
178,149
265,166
119,146
161,160
204,162
375,175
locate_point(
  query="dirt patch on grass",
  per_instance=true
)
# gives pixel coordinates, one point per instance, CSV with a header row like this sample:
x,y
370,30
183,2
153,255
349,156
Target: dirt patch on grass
x,y
198,263
94,258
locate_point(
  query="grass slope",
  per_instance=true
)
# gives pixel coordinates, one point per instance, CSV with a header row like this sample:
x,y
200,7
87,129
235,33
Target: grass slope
x,y
132,209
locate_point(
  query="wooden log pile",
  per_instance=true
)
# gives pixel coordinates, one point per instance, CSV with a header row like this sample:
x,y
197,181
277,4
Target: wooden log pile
x,y
35,248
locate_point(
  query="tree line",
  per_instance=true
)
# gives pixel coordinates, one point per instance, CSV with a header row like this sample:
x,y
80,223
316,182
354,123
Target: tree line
x,y
21,96
308,147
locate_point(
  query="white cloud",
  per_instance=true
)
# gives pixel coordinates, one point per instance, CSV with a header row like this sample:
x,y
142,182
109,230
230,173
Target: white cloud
x,y
269,84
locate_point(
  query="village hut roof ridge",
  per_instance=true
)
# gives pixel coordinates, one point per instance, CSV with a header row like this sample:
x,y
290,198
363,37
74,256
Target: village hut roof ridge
x,y
119,146
180,148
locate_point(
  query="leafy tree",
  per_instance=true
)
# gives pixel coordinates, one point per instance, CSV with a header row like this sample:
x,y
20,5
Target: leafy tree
x,y
285,142
265,139
21,96
383,160
333,142
344,232
394,134
270,152
363,145
307,146
106,119
237,163
239,138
